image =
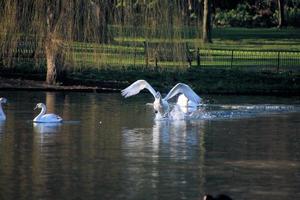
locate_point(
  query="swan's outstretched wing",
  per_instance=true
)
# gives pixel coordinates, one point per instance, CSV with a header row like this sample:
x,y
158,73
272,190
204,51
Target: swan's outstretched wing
x,y
136,87
181,88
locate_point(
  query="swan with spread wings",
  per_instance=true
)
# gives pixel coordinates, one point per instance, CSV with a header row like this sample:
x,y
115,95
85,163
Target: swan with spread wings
x,y
160,104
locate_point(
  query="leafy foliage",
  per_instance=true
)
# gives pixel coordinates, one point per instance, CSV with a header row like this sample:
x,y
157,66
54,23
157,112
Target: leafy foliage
x,y
260,15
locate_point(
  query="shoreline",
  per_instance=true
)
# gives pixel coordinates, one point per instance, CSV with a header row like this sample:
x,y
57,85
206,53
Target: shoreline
x,y
8,84
203,81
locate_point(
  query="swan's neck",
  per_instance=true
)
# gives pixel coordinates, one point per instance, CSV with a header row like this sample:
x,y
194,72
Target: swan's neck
x,y
160,101
161,105
43,111
2,115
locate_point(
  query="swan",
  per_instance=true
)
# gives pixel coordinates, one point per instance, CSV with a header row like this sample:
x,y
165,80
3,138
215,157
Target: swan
x,y
46,118
160,104
2,115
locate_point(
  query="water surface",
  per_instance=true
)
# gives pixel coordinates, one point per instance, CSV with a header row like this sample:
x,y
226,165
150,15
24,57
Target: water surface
x,y
112,148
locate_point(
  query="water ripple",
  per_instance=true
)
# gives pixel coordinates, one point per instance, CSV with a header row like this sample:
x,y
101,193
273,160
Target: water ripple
x,y
216,111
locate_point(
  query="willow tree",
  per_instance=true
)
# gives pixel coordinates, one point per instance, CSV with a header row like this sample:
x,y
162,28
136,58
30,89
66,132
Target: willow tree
x,y
163,25
53,25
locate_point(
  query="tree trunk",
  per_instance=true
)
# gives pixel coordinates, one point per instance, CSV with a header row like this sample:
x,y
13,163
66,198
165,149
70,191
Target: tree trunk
x,y
122,13
100,12
281,17
105,35
51,64
206,32
51,48
170,18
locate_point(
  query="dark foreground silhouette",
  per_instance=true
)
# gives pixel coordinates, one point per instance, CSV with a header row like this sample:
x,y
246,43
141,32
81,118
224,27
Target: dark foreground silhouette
x,y
219,197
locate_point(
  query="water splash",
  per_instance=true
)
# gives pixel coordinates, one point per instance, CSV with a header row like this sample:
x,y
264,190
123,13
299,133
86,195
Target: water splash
x,y
215,112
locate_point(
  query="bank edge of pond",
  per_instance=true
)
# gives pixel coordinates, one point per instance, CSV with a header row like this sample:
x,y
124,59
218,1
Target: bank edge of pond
x,y
203,81
10,84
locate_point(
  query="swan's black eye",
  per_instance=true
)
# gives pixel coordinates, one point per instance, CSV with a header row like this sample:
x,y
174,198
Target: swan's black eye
x,y
155,111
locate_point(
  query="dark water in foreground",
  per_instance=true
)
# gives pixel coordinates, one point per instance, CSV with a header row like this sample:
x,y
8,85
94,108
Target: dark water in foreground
x,y
111,148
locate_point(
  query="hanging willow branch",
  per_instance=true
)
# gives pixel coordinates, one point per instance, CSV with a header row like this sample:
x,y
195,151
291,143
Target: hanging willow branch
x,y
65,33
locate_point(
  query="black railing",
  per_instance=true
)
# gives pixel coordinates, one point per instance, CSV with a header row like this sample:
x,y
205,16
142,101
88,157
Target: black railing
x,y
249,59
164,55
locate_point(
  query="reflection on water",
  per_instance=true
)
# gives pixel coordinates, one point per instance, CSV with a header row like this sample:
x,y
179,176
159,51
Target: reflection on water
x,y
253,154
166,157
47,127
2,129
2,126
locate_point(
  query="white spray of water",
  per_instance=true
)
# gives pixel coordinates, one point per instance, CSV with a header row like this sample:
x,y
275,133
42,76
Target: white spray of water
x,y
209,112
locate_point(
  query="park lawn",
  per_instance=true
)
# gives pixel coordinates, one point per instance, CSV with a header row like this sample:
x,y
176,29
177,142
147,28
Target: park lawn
x,y
236,38
253,47
123,61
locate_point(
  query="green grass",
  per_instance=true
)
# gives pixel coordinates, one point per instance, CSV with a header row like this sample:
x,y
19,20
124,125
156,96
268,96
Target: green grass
x,y
238,38
252,47
256,39
123,61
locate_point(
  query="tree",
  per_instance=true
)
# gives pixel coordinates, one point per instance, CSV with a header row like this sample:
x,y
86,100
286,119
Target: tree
x,y
207,24
52,42
53,25
281,16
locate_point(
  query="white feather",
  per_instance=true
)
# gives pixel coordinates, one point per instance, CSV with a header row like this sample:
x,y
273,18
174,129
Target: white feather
x,y
182,88
136,87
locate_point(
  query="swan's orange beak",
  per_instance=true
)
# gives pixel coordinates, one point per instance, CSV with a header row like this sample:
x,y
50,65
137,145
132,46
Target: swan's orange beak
x,y
35,107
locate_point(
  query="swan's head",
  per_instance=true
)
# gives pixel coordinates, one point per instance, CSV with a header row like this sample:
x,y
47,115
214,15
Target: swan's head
x,y
3,100
157,95
39,105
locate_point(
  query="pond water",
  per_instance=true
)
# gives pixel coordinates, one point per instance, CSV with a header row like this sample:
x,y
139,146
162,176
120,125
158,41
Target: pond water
x,y
112,148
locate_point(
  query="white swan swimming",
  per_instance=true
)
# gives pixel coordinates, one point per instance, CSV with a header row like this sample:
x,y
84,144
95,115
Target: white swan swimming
x,y
46,118
160,104
2,114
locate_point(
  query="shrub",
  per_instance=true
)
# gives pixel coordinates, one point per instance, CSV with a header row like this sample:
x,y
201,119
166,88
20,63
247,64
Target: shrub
x,y
234,17
255,16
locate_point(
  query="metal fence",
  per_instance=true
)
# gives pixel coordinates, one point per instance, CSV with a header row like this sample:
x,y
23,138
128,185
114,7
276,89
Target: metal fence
x,y
249,59
162,55
182,56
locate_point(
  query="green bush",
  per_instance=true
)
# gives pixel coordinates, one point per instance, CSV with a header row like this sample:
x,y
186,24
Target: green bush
x,y
250,16
235,17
